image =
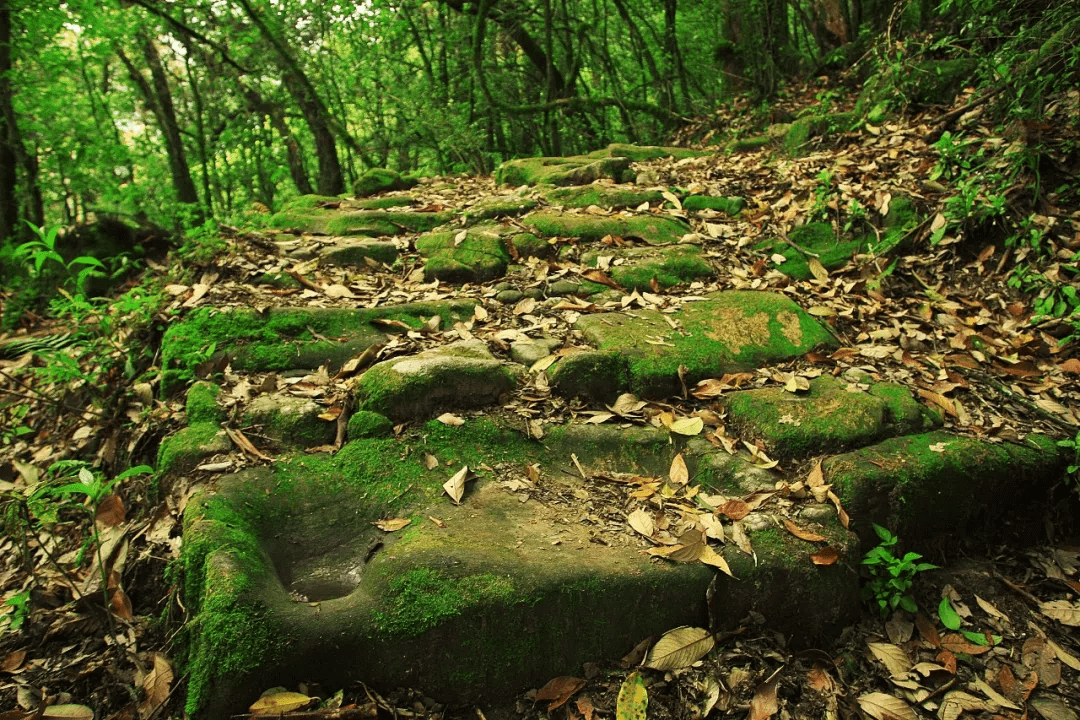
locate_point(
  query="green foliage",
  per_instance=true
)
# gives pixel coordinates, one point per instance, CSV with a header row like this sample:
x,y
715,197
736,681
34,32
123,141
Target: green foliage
x,y
1073,444
202,244
14,618
891,577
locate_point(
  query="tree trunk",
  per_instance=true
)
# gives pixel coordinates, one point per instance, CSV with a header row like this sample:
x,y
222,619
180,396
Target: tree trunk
x,y
330,180
9,201
295,158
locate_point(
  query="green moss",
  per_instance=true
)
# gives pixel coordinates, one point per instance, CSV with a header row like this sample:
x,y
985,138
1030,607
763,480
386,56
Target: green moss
x,y
653,229
498,207
378,180
480,256
202,404
289,421
641,153
281,281
308,202
188,446
614,197
384,222
574,170
749,144
367,424
818,238
800,132
679,265
310,220
382,203
529,245
729,205
384,390
424,598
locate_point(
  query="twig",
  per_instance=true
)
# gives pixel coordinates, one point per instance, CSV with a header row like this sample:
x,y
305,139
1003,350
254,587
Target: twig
x,y
46,398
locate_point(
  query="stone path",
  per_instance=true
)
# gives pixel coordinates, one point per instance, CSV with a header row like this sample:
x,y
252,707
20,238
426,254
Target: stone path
x,y
477,553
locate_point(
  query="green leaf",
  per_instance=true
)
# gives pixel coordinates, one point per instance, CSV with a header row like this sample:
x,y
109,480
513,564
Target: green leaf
x,y
948,615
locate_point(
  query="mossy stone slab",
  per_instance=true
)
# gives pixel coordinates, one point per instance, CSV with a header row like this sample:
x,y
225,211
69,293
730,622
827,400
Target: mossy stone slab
x,y
642,153
374,223
820,239
286,579
349,252
652,229
289,421
459,375
183,451
803,129
377,180
727,205
573,170
831,416
202,405
495,206
939,484
728,332
605,196
477,254
393,200
285,338
307,202
640,268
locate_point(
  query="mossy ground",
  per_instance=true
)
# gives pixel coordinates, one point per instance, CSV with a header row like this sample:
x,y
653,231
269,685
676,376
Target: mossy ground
x,y
666,268
602,196
481,255
653,229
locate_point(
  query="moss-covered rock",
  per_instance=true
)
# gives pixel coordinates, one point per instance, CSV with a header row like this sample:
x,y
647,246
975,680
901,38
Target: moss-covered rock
x,y
495,206
641,153
803,129
278,280
460,375
582,196
289,338
749,144
729,332
819,239
289,421
358,253
574,170
936,484
360,222
477,254
186,449
831,416
667,266
202,406
377,180
653,229
728,205
367,424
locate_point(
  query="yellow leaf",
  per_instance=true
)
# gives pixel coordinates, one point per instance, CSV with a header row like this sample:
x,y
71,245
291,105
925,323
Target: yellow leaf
x,y
279,702
678,473
633,699
688,426
886,707
679,648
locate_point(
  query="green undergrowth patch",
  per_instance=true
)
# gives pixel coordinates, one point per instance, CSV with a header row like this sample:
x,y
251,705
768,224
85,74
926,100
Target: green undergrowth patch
x,y
423,598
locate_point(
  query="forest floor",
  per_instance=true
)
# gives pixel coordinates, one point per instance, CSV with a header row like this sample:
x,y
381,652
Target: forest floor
x,y
897,318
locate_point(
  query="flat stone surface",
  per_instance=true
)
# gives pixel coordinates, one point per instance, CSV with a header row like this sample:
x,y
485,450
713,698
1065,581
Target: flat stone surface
x,y
831,416
639,153
373,223
475,254
459,375
729,332
354,252
573,170
605,196
642,268
652,229
289,421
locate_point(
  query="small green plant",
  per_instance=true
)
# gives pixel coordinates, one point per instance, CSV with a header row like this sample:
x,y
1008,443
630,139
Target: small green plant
x,y
43,250
14,618
891,577
1072,444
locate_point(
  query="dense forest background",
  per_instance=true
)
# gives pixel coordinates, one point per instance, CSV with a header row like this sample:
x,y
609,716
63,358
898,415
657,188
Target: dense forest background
x,y
175,112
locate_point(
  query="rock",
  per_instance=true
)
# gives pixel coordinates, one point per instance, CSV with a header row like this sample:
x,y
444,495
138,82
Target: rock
x,y
605,196
289,421
495,206
459,375
653,229
803,129
509,296
831,416
356,252
182,452
529,351
202,404
641,153
377,180
476,254
360,222
729,205
729,332
574,170
639,268
367,424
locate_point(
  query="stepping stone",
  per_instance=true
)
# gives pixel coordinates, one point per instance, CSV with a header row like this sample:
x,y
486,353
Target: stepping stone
x,y
642,153
459,375
360,222
638,268
377,180
355,252
605,196
574,170
937,485
287,579
510,205
285,338
476,254
641,352
727,205
832,415
652,229
289,421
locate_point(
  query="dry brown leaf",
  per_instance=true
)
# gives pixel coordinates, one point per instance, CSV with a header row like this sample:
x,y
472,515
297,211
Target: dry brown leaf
x,y
892,657
430,461
156,686
641,520
559,690
68,712
956,643
451,419
121,604
711,557
392,524
110,512
1063,611
678,473
886,707
734,509
679,648
764,704
827,555
455,486
585,707
803,534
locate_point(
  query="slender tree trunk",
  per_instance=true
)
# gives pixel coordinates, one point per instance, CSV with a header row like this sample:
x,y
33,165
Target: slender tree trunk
x,y
9,201
200,131
330,181
159,98
294,157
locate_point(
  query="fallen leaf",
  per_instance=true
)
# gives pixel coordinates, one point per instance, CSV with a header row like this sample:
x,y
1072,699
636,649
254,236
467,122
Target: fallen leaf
x,y
803,534
711,557
734,509
763,705
13,661
68,712
633,699
121,604
392,524
585,707
886,707
827,555
678,473
956,643
110,512
1063,611
892,657
687,426
156,686
455,486
679,648
430,461
279,702
642,521
559,690
451,419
